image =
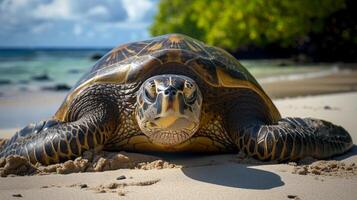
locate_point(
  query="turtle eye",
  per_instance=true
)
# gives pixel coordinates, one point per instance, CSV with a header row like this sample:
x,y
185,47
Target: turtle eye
x,y
190,92
150,91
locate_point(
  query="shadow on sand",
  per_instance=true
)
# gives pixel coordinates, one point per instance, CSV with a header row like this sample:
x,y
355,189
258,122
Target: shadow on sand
x,y
221,169
231,174
235,175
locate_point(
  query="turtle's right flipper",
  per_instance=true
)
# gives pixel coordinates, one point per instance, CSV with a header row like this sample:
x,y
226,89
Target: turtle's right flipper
x,y
294,138
52,141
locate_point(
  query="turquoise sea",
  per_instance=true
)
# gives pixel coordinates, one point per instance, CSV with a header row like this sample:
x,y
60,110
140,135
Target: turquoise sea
x,y
36,69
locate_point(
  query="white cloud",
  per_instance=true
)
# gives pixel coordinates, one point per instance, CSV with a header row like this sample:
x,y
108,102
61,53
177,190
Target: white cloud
x,y
12,5
137,9
109,20
57,9
102,13
98,11
80,10
15,12
109,11
15,3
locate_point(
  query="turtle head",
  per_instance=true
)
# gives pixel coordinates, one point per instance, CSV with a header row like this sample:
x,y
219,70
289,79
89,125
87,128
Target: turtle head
x,y
169,108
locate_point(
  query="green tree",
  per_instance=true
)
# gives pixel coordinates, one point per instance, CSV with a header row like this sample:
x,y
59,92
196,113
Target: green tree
x,y
234,23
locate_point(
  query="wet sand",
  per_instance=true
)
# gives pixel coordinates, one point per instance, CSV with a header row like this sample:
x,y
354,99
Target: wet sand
x,y
343,81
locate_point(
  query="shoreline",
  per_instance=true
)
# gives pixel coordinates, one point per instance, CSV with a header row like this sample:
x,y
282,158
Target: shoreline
x,y
341,82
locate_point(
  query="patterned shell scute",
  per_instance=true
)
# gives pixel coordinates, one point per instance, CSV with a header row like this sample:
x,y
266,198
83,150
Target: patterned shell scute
x,y
148,47
183,49
143,51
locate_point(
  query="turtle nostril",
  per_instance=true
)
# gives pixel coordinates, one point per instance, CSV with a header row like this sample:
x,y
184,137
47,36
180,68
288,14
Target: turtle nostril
x,y
170,92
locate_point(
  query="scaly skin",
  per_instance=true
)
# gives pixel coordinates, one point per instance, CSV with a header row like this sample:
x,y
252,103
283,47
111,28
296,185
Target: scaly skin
x,y
293,139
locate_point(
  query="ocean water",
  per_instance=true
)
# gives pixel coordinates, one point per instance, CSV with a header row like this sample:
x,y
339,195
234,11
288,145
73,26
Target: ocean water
x,y
20,69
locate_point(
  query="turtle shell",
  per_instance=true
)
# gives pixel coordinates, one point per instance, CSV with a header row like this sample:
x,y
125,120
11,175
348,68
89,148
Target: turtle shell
x,y
137,61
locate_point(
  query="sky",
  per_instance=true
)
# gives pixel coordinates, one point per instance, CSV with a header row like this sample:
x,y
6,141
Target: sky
x,y
74,23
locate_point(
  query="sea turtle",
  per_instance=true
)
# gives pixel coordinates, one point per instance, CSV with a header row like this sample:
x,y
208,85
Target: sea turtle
x,y
173,93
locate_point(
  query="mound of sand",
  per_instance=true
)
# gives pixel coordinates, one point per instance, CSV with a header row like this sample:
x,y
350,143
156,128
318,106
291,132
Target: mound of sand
x,y
326,168
307,166
89,162
16,165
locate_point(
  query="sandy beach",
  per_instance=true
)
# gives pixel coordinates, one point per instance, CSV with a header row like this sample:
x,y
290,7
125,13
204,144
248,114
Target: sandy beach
x,y
205,177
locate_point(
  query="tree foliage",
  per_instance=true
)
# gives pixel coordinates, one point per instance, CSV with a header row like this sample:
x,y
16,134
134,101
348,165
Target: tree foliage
x,y
235,23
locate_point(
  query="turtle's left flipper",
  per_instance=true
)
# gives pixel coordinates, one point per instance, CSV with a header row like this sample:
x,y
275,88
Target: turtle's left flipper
x,y
30,130
294,138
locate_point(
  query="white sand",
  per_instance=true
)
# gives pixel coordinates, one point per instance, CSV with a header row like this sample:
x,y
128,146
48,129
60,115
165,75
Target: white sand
x,y
212,177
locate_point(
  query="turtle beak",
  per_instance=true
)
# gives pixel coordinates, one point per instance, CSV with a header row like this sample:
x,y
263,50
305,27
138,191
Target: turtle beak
x,y
170,100
172,116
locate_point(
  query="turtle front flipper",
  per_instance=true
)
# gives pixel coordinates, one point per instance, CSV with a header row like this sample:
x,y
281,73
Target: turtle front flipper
x,y
31,129
293,139
52,141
